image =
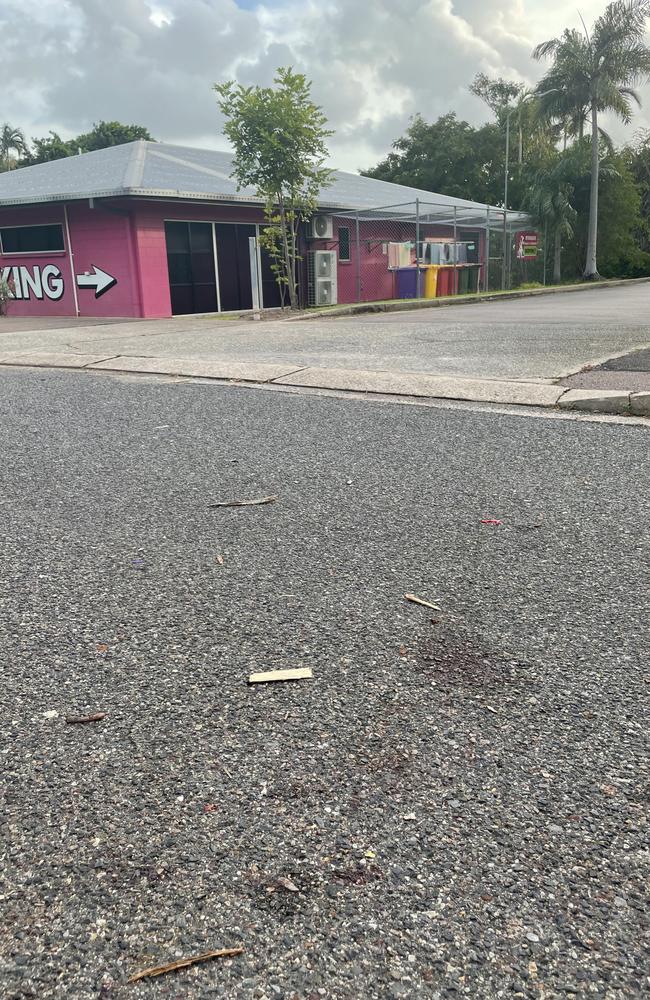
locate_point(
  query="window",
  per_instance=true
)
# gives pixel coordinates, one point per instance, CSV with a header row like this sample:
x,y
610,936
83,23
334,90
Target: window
x,y
344,243
31,239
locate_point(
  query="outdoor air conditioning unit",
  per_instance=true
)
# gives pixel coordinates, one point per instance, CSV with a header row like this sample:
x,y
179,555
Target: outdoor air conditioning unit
x,y
321,227
322,278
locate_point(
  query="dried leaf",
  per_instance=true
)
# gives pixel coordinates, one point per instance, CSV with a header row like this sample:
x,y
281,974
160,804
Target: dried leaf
x,y
73,720
418,600
608,789
402,651
183,963
102,647
242,503
287,884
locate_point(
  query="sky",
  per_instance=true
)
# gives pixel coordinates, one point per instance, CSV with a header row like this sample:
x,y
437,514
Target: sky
x,y
373,63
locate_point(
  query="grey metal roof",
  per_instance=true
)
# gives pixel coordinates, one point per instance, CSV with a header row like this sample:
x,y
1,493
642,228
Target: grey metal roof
x,y
160,170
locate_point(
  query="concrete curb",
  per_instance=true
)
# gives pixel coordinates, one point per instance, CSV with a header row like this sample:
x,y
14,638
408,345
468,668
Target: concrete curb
x,y
410,305
503,392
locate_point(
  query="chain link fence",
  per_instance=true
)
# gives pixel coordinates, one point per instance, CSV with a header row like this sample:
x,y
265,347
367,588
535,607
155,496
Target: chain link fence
x,y
418,250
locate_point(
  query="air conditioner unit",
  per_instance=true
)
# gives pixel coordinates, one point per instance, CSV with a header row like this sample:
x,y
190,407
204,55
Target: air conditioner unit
x,y
322,278
321,227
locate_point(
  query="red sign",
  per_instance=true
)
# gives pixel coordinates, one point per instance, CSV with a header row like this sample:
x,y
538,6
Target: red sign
x,y
527,245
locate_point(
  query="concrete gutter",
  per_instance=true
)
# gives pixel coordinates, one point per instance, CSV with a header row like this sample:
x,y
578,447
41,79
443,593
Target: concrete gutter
x,y
513,392
411,305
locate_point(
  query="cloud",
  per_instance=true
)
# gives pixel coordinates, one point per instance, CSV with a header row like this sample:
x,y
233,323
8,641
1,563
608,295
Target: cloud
x,y
373,63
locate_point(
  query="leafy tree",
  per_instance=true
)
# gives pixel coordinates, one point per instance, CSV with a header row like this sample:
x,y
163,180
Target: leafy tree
x,y
549,202
51,147
497,93
595,73
103,134
12,140
447,156
636,157
279,139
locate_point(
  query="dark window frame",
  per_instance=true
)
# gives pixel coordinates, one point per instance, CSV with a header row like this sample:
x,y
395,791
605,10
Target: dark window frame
x,y
348,259
32,253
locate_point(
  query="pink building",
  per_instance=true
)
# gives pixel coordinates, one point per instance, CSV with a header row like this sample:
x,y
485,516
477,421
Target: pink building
x,y
153,230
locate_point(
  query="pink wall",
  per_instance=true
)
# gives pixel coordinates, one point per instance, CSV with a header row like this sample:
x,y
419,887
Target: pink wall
x,y
151,248
126,240
100,238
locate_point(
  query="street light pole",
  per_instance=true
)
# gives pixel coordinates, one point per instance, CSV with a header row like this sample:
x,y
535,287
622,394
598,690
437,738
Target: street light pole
x,y
505,202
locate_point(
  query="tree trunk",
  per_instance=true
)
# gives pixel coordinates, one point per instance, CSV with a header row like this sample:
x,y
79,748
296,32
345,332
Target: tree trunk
x,y
591,265
557,256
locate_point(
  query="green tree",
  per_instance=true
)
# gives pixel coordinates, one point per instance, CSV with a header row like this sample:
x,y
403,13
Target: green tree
x,y
103,134
597,72
636,157
51,147
12,141
279,138
449,157
549,201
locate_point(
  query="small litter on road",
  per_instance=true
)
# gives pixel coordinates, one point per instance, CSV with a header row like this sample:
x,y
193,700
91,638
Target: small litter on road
x,y
242,503
220,560
286,883
52,714
74,720
297,674
494,521
418,600
409,818
183,963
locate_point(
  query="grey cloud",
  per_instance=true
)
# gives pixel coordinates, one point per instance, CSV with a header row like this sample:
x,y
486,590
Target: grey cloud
x,y
373,63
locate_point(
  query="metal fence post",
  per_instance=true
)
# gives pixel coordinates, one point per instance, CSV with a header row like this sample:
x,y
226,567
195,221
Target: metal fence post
x,y
418,289
486,281
544,266
504,259
358,239
455,250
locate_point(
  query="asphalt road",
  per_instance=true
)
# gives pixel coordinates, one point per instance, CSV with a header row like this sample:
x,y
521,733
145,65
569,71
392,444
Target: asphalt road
x,y
458,796
541,337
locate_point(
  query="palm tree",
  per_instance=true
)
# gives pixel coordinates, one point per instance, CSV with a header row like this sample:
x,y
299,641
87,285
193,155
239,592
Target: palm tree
x,y
595,73
11,140
549,201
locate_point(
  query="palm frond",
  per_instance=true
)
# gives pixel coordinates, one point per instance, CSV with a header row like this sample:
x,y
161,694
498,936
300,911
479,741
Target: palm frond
x,y
545,49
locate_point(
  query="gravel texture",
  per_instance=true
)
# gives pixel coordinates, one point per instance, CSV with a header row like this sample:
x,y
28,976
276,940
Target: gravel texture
x,y
458,796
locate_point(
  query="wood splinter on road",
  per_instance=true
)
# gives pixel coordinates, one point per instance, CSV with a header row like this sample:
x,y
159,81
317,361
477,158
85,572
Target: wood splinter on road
x,y
242,503
297,674
74,720
182,963
418,600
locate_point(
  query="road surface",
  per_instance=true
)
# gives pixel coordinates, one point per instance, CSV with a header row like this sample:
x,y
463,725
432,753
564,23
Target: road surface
x,y
458,794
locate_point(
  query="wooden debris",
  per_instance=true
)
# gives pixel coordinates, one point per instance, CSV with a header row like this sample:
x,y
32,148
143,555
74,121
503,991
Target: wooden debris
x,y
73,720
418,600
242,503
287,884
182,963
297,674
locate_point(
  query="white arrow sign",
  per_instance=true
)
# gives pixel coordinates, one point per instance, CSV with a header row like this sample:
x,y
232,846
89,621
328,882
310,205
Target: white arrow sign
x,y
99,280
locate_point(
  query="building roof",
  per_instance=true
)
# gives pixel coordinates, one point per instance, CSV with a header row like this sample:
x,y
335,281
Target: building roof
x,y
159,170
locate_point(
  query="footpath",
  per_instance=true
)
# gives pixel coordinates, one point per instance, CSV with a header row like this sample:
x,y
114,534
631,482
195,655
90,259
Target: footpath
x,y
515,392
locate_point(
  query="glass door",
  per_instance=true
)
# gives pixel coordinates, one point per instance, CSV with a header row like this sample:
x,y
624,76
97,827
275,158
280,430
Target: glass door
x,y
190,261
